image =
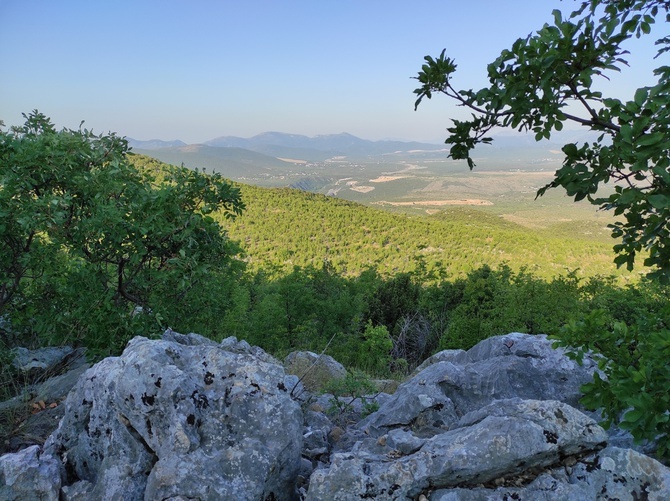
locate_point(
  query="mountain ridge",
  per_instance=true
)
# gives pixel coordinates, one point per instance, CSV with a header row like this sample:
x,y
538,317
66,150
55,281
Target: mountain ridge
x,y
284,144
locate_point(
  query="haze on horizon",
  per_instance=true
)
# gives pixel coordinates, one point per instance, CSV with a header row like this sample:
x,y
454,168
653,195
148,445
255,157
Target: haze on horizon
x,y
199,70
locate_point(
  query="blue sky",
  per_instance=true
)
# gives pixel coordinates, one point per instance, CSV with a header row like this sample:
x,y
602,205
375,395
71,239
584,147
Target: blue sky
x,y
198,69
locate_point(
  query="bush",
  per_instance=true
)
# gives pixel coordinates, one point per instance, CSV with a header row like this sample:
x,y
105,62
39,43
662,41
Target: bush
x,y
634,359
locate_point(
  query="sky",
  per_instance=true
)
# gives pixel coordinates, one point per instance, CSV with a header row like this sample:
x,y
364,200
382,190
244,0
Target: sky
x,y
199,69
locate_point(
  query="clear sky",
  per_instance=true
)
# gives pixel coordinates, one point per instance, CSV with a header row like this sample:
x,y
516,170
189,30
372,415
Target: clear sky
x,y
198,69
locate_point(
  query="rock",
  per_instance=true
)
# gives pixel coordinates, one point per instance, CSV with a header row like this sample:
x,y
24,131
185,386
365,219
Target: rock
x,y
188,418
180,417
454,356
315,435
501,367
404,442
38,409
506,438
315,371
25,475
45,362
230,344
611,473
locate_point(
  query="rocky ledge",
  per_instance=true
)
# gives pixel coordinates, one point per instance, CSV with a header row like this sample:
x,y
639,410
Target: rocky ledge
x,y
187,418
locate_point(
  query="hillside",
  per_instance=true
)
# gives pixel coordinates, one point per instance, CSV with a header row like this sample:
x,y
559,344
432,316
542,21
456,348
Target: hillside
x,y
290,227
231,162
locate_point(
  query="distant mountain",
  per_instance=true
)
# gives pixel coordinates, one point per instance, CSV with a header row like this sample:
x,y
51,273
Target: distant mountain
x,y
154,144
232,162
302,147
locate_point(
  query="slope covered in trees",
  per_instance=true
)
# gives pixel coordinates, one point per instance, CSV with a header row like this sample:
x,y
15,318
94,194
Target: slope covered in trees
x,y
287,227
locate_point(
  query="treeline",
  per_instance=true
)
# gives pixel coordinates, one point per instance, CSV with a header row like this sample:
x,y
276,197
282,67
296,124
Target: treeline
x,y
388,325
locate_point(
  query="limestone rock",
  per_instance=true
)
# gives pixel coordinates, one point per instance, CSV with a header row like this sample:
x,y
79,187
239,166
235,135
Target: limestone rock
x,y
157,421
316,371
25,475
501,367
611,473
506,438
454,356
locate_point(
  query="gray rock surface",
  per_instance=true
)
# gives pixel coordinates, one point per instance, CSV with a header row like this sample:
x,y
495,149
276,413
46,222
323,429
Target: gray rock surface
x,y
315,371
188,418
457,382
156,421
45,362
26,476
612,473
471,424
506,438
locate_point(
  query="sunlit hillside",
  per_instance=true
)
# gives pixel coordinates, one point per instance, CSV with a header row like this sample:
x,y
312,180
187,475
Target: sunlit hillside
x,y
290,227
284,227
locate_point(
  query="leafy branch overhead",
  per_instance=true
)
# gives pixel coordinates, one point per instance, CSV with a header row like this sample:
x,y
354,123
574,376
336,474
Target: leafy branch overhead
x,y
546,80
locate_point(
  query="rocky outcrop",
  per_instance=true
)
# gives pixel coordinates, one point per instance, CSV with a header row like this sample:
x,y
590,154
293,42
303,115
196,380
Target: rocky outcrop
x,y
180,417
187,418
609,474
504,439
458,382
470,423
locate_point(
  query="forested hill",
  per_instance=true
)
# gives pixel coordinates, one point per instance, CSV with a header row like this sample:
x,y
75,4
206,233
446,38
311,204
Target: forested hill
x,y
282,228
289,227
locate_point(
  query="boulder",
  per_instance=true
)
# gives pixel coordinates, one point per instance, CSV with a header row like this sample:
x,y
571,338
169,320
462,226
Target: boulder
x,y
611,473
183,417
315,371
457,382
24,475
506,438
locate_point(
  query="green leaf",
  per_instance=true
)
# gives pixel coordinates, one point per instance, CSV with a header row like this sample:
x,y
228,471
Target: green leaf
x,y
558,17
650,139
641,96
634,415
659,201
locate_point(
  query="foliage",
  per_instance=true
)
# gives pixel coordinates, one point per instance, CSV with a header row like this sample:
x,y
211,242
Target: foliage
x,y
283,228
91,244
634,360
533,83
374,353
356,385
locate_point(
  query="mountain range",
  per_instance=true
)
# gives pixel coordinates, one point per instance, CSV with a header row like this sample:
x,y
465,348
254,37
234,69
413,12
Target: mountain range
x,y
295,146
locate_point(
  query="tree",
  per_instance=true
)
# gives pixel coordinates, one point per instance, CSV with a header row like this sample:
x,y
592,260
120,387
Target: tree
x,y
530,88
78,219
